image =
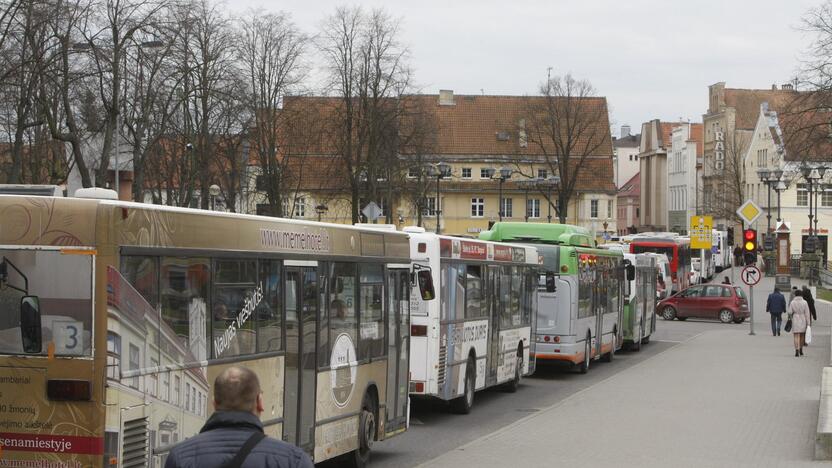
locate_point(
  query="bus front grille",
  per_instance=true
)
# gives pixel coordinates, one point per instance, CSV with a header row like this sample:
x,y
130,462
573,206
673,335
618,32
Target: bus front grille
x,y
134,449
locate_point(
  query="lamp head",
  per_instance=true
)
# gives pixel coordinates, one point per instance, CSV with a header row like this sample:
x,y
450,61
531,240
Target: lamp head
x,y
505,173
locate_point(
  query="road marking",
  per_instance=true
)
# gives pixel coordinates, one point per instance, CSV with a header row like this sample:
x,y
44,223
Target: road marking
x,y
550,408
667,341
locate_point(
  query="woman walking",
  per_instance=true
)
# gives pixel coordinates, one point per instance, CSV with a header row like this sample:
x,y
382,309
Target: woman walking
x,y
799,316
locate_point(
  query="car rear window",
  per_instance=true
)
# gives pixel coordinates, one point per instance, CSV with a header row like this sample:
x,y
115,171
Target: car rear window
x,y
740,292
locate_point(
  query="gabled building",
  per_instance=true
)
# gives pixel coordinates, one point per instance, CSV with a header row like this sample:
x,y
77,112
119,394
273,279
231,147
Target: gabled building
x,y
628,206
625,156
656,139
684,172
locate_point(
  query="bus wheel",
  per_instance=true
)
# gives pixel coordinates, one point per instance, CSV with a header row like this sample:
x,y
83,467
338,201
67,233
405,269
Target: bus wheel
x,y
360,457
587,350
645,340
512,385
611,355
463,404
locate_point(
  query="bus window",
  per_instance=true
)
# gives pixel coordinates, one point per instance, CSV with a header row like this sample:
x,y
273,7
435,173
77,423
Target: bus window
x,y
371,315
459,293
473,293
268,311
444,290
505,297
235,291
516,292
63,287
342,299
184,300
143,274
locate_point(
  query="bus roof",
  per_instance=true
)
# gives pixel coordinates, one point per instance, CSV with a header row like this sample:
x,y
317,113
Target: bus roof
x,y
543,233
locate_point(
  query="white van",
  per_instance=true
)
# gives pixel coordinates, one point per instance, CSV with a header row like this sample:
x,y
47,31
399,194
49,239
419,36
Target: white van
x,y
663,281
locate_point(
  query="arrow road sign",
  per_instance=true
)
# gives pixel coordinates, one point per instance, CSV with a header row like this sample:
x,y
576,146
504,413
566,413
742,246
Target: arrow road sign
x,y
751,275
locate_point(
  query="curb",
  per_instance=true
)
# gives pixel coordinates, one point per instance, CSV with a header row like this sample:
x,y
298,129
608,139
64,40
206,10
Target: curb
x,y
823,438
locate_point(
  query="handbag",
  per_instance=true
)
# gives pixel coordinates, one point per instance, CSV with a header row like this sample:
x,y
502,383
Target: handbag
x,y
808,338
788,326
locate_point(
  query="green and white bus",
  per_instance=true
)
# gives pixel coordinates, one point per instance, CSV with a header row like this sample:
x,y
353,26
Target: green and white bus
x,y
580,292
640,299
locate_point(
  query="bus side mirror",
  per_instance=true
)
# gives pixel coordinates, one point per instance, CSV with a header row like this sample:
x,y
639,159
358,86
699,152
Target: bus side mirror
x,y
631,272
425,280
30,326
550,283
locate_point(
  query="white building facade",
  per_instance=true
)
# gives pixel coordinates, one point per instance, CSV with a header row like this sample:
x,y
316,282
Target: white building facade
x,y
683,175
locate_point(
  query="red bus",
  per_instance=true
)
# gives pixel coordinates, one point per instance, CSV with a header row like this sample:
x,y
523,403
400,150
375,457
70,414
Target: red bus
x,y
678,255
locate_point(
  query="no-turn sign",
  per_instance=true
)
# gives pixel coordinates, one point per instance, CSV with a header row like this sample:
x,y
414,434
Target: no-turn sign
x,y
751,275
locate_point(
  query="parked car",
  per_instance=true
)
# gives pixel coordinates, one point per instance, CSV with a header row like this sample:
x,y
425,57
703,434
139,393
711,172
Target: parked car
x,y
725,302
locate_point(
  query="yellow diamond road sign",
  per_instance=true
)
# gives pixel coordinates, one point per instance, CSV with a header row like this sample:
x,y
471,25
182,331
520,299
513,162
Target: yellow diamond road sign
x,y
749,212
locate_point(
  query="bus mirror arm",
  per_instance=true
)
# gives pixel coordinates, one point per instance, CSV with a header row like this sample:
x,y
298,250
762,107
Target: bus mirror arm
x,y
30,325
550,283
631,272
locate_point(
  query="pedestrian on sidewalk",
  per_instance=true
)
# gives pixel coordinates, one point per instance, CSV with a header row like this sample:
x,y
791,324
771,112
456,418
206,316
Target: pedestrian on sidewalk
x,y
738,256
726,280
799,315
807,296
233,435
776,305
791,294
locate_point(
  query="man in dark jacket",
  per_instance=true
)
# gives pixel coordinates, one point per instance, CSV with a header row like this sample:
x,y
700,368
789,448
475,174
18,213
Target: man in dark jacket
x,y
776,305
236,425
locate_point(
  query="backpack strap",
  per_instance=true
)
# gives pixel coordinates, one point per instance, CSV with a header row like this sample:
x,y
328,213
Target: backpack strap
x,y
246,449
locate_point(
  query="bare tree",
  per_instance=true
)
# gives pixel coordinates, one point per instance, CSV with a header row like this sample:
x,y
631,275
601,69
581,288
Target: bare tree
x,y
567,127
368,73
728,177
271,54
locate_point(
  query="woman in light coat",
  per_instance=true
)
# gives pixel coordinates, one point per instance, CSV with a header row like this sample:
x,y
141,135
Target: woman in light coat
x,y
799,315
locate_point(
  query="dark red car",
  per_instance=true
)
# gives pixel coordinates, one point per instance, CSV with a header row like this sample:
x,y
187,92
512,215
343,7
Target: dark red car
x,y
713,301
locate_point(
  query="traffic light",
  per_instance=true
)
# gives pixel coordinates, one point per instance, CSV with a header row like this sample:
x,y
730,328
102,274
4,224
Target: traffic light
x,y
749,240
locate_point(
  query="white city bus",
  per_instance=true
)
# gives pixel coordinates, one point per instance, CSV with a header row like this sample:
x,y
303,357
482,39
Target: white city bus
x,y
478,334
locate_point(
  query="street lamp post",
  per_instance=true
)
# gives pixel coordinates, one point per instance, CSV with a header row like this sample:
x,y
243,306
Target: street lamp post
x,y
214,191
819,187
321,209
550,182
765,177
440,171
781,185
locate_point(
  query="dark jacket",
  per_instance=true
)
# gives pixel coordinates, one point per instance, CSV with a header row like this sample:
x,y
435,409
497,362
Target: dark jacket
x,y
776,303
807,295
221,438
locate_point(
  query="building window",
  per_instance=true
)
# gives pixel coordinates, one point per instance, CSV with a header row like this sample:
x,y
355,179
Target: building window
x,y
542,173
154,378
826,198
637,212
187,396
165,386
466,172
533,208
507,208
113,356
414,172
631,157
134,363
177,389
609,209
802,195
430,207
299,205
477,207
593,209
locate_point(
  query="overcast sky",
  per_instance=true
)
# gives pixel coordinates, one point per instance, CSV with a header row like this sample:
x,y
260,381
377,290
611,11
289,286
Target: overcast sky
x,y
650,58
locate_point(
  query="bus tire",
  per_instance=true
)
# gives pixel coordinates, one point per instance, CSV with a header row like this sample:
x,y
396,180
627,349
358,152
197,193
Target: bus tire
x,y
636,345
584,366
360,457
645,340
610,356
514,384
463,404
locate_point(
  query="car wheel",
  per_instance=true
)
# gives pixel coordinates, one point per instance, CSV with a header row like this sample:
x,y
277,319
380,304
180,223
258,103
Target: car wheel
x,y
587,350
726,316
669,313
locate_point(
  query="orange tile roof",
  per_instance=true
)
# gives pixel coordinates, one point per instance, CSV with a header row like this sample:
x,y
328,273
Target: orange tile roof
x,y
747,102
697,134
806,135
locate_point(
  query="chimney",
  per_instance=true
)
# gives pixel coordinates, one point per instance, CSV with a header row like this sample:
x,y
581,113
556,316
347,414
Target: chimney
x,y
787,87
774,87
625,131
446,97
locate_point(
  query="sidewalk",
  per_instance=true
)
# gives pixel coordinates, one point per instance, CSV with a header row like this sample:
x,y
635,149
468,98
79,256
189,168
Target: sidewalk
x,y
720,399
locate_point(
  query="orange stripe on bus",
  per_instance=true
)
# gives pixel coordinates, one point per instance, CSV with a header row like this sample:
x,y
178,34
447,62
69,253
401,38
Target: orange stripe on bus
x,y
561,357
79,252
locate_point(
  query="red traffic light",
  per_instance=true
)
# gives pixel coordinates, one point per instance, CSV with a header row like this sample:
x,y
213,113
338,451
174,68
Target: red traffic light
x,y
750,240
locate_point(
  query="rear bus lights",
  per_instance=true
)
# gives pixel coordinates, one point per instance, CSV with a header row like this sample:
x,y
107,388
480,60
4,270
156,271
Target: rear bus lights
x,y
417,387
548,339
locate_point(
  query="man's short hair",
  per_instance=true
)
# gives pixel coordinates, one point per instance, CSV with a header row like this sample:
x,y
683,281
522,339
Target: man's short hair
x,y
798,293
236,389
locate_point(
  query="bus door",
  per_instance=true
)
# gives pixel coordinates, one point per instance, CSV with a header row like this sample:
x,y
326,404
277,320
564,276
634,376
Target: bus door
x,y
494,310
398,351
599,302
301,306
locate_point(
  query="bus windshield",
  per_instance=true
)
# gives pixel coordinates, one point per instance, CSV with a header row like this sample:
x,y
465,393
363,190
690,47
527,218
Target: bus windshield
x,y
638,248
63,284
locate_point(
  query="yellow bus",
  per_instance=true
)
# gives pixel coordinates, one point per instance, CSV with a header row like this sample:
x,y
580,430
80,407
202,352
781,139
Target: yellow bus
x,y
115,318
